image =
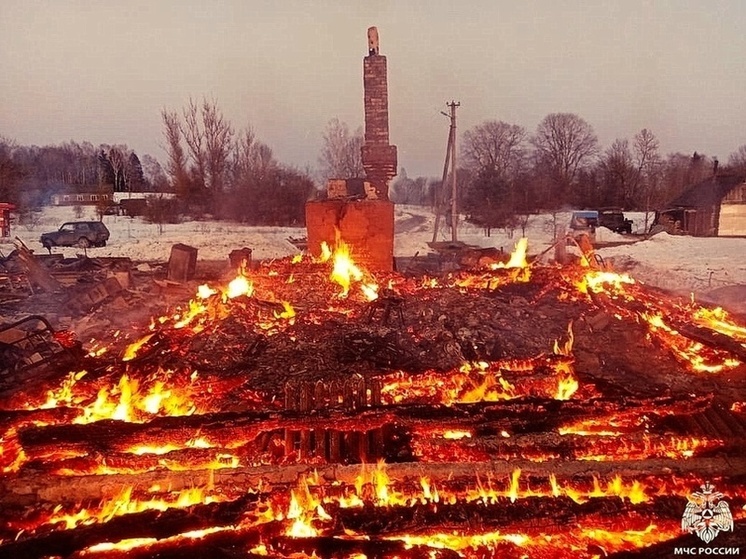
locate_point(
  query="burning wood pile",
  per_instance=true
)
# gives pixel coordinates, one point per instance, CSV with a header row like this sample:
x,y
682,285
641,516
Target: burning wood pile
x,y
310,408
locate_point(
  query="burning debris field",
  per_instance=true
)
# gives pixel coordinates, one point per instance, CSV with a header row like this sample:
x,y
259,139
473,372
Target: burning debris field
x,y
312,409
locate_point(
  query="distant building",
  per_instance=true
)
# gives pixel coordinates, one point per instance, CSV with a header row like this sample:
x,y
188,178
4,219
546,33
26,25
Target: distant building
x,y
119,196
134,204
73,198
715,207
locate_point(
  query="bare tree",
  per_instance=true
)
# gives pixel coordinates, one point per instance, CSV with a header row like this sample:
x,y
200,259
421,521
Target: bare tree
x,y
493,154
176,166
340,155
680,171
737,160
649,168
415,191
117,156
10,171
563,144
494,146
618,174
252,159
209,139
195,140
218,145
154,174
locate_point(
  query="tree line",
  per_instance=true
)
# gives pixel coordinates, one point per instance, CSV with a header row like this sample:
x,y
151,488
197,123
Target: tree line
x,y
504,171
230,174
29,175
210,169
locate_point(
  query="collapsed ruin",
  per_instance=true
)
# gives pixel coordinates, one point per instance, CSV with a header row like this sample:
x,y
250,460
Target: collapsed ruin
x,y
328,406
314,407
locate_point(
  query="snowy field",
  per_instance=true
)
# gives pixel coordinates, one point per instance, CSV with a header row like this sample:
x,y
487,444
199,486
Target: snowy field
x,y
675,263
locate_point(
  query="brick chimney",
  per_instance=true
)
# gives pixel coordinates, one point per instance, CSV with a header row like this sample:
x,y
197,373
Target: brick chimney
x,y
364,221
379,157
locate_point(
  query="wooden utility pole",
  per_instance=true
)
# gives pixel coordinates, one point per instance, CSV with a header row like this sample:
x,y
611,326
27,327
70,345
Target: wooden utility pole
x,y
454,190
449,163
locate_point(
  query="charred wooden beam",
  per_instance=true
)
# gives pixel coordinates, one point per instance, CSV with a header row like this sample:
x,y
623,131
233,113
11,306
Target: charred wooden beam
x,y
710,338
328,547
30,487
231,430
528,514
148,524
548,513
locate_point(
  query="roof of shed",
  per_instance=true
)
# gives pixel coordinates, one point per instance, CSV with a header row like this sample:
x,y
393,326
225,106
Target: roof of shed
x,y
709,192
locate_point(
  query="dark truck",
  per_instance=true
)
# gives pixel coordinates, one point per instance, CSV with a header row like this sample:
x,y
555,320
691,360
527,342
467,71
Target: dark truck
x,y
614,220
83,234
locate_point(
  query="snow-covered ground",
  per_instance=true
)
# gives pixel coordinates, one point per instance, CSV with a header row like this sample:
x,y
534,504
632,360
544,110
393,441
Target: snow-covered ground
x,y
671,262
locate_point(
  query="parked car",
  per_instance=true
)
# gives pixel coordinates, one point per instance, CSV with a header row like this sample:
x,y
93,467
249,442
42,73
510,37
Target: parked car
x,y
83,234
615,221
586,220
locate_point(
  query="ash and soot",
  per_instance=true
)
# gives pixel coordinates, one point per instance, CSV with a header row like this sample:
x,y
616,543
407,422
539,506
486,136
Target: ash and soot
x,y
311,408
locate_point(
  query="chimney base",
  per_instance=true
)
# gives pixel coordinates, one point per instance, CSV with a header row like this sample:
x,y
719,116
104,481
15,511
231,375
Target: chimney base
x,y
367,226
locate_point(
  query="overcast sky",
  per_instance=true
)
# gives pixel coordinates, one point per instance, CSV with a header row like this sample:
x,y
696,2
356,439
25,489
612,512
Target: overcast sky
x,y
101,71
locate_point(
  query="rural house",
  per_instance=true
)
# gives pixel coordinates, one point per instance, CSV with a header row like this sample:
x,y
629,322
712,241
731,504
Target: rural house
x,y
70,197
715,207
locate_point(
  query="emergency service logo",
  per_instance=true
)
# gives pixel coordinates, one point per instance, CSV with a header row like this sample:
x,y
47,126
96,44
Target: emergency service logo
x,y
707,514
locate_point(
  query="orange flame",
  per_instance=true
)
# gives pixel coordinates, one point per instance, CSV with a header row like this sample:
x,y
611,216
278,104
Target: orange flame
x,y
239,286
129,401
692,353
132,349
345,271
517,262
719,320
123,503
303,509
287,313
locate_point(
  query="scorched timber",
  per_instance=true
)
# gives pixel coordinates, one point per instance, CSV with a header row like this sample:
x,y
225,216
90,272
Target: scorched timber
x,y
29,488
250,434
537,412
710,338
531,513
148,524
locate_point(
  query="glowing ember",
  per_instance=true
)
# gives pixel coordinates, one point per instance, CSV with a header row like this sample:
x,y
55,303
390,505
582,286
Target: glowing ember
x,y
720,321
204,291
132,349
597,281
123,503
287,313
64,394
438,417
130,400
456,435
566,348
326,252
304,508
370,291
199,442
566,388
694,354
134,543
